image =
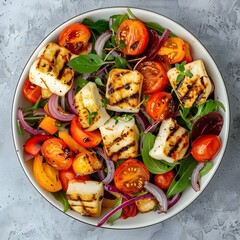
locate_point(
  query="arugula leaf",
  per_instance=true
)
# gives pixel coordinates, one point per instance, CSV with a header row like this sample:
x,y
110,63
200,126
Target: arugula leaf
x,y
182,178
99,82
62,198
100,25
81,82
120,62
91,115
20,129
117,214
153,165
118,20
206,169
122,44
86,63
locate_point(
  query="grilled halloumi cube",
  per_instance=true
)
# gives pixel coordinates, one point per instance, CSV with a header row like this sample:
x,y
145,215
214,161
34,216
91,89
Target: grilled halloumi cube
x,y
85,197
50,69
90,107
87,164
171,143
124,90
120,138
194,90
146,204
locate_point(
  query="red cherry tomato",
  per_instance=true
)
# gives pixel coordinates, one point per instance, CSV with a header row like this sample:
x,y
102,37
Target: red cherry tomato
x,y
135,36
160,106
75,38
205,147
164,180
154,76
31,91
129,211
130,176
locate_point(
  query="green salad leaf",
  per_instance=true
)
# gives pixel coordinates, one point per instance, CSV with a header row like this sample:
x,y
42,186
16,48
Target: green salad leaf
x,y
100,25
206,169
117,214
62,198
121,62
118,19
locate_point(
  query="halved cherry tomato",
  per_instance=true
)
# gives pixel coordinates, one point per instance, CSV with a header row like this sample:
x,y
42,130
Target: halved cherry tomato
x,y
57,154
66,175
188,56
31,91
33,144
173,50
46,176
135,36
75,38
160,106
130,176
164,180
205,147
129,211
154,76
84,138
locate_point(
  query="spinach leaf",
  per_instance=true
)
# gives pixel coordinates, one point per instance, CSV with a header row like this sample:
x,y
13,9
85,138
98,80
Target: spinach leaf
x,y
118,20
117,214
120,62
62,198
206,169
100,25
86,63
153,165
182,178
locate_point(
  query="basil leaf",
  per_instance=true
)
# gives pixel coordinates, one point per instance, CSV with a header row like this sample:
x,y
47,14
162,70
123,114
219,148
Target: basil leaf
x,y
118,20
188,74
153,165
117,214
99,82
100,25
182,178
81,82
86,63
206,169
180,77
120,62
62,198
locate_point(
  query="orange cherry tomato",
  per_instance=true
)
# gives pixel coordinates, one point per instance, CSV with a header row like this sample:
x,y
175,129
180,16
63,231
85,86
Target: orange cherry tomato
x,y
173,50
84,138
205,147
160,106
135,36
164,180
130,176
31,91
75,38
188,55
57,154
154,76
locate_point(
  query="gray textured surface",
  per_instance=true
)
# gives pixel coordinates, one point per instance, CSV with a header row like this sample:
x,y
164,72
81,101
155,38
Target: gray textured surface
x,y
23,212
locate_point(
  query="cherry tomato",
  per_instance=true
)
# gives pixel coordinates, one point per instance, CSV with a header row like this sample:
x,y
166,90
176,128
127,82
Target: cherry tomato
x,y
135,36
33,144
66,175
160,106
164,180
130,176
84,138
173,50
154,76
188,56
205,147
31,91
129,211
57,154
75,38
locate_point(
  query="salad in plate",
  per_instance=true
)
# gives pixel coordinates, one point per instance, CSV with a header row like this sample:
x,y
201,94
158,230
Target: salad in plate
x,y
121,117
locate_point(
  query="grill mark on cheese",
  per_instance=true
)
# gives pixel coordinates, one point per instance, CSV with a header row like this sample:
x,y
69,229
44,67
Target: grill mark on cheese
x,y
126,99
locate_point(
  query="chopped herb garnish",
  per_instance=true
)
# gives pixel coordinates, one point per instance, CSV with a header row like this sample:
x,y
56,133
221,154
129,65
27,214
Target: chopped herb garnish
x,y
104,102
91,115
183,72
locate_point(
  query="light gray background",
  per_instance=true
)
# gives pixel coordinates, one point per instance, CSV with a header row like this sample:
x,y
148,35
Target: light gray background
x,y
23,212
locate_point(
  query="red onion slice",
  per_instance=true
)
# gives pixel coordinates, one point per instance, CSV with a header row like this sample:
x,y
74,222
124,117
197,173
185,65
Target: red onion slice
x,y
70,99
57,112
39,112
174,200
158,194
27,128
102,39
114,189
128,202
195,178
27,156
142,120
152,127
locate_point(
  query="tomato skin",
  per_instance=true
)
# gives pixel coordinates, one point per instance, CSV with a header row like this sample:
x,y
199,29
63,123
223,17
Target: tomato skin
x,y
75,38
164,180
188,55
155,76
173,50
33,144
205,147
129,211
56,154
31,91
66,175
160,106
84,138
135,36
130,176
